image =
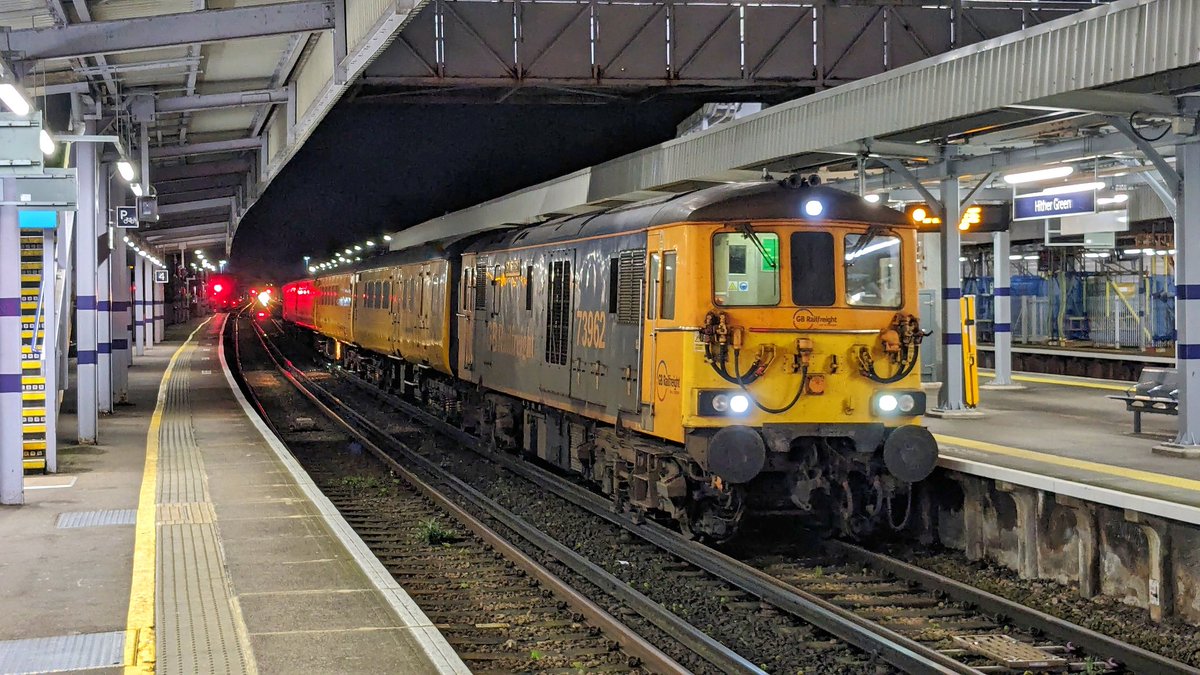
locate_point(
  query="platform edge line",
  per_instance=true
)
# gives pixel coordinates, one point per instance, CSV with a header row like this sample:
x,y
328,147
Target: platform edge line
x,y
1154,506
139,621
423,631
1072,463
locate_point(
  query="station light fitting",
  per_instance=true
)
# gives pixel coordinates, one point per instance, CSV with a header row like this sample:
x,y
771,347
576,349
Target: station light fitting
x,y
1131,251
1171,251
370,244
126,170
136,188
873,198
1015,256
1030,257
1119,198
962,259
348,251
126,239
387,237
311,269
46,143
1041,174
357,247
1075,187
13,98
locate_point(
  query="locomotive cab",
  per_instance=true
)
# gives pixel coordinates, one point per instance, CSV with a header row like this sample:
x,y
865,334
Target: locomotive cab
x,y
788,368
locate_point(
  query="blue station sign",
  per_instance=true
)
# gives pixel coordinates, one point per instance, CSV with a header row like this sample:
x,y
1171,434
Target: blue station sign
x,y
1042,205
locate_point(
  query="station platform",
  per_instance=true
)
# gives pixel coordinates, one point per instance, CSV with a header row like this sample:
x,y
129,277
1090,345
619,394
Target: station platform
x,y
190,541
1064,435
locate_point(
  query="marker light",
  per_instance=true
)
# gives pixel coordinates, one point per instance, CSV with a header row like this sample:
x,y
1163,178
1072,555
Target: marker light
x,y
919,214
887,403
874,199
740,403
13,99
720,403
217,288
126,170
813,208
136,188
46,143
1041,174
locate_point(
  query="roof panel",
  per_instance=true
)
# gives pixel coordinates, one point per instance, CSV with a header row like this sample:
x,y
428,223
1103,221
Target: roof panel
x,y
222,120
25,14
128,9
243,59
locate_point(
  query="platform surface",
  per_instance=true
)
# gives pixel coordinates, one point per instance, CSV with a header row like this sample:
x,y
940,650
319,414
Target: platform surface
x,y
1066,428
186,542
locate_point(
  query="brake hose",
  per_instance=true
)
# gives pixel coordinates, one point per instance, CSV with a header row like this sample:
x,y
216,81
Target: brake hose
x,y
867,368
773,411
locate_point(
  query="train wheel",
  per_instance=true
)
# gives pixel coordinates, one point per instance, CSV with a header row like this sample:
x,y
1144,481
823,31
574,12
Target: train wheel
x,y
715,520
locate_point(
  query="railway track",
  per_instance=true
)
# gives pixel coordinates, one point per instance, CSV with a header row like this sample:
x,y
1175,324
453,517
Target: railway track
x,y
501,611
910,618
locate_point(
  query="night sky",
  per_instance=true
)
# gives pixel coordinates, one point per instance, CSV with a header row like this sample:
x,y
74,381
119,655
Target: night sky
x,y
371,168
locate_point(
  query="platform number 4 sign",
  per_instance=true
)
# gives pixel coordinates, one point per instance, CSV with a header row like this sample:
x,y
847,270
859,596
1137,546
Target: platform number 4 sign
x,y
127,216
160,276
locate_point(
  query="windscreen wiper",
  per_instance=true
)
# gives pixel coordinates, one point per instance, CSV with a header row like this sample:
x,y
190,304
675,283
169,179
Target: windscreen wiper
x,y
749,233
866,238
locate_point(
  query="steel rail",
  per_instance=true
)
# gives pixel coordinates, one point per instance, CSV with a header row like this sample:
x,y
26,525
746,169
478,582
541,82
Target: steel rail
x,y
1131,656
353,423
894,648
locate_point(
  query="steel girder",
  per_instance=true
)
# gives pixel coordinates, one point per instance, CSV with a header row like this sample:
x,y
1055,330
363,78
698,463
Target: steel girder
x,y
589,49
167,30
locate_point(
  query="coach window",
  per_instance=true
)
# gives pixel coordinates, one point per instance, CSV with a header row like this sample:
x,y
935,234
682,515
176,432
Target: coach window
x,y
668,285
746,268
872,270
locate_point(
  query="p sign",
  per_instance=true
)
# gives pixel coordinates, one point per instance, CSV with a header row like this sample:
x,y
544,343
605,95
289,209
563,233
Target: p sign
x,y
127,217
160,276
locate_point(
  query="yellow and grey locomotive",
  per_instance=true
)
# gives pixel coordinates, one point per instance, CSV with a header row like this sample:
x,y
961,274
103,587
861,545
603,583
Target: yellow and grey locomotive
x,y
736,349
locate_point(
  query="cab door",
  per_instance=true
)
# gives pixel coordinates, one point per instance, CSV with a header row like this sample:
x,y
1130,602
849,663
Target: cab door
x,y
464,315
665,342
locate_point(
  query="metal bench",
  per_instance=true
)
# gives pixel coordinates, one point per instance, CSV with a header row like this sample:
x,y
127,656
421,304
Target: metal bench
x,y
1156,392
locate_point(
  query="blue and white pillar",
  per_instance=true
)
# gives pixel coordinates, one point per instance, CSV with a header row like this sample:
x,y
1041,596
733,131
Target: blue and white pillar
x,y
148,306
139,305
1187,302
12,438
86,344
104,297
1002,312
119,318
950,396
160,323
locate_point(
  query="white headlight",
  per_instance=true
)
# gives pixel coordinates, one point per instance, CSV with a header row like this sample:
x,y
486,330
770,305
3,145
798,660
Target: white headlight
x,y
886,403
813,207
907,403
739,403
720,403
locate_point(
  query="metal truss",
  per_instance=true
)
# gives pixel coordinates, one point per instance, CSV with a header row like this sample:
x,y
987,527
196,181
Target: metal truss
x,y
586,49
